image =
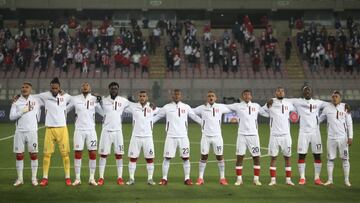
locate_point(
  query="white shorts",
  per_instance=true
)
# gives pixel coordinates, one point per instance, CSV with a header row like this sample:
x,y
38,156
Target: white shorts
x,y
215,141
29,138
108,138
82,136
305,139
172,143
146,143
251,142
283,142
340,144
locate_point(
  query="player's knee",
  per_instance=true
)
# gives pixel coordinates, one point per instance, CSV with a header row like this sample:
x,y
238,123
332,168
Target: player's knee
x,y
302,156
185,158
204,157
118,156
92,155
65,155
273,158
78,154
19,156
256,159
33,156
219,157
133,159
47,155
317,158
103,156
149,161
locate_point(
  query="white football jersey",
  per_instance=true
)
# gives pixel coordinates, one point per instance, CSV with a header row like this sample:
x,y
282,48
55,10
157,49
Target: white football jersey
x,y
142,119
279,114
177,118
339,121
309,112
85,108
55,108
26,121
112,112
211,116
248,117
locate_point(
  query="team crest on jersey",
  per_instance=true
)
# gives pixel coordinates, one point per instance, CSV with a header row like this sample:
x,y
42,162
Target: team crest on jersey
x,y
61,99
217,110
253,109
148,110
182,110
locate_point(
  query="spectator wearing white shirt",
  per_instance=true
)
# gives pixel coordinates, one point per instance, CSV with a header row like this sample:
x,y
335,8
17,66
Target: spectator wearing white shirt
x,y
110,31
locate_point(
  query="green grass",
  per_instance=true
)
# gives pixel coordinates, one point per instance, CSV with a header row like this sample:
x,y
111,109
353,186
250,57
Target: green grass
x,y
176,191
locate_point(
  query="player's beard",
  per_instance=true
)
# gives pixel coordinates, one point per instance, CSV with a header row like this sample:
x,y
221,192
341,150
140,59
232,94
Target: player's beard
x,y
279,98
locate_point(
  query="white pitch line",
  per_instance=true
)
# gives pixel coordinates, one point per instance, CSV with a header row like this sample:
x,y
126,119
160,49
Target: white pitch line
x,y
141,164
11,136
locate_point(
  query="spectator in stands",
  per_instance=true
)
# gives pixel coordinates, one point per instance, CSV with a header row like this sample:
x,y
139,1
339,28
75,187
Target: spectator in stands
x,y
225,63
288,47
1,59
145,64
20,62
268,60
36,58
110,31
169,58
105,59
78,60
135,59
256,61
177,62
118,58
8,61
277,67
234,57
43,61
349,60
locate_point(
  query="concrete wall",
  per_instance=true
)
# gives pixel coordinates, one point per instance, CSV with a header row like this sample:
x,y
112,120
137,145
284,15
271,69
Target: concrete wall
x,y
338,5
194,90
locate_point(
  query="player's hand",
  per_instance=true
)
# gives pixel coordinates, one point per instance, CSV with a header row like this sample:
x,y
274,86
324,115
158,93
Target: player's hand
x,y
15,98
152,105
347,108
25,109
61,92
269,103
350,141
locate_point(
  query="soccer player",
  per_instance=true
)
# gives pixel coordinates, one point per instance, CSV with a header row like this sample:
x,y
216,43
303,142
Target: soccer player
x,y
340,135
176,114
85,106
248,135
56,130
26,112
211,115
279,109
142,136
113,107
309,132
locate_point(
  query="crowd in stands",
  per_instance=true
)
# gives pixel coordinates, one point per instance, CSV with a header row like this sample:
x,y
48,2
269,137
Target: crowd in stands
x,y
332,52
81,46
222,51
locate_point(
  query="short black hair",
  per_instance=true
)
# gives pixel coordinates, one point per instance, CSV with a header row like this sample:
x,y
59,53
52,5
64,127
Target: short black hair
x,y
245,91
176,90
27,83
337,92
113,84
142,92
55,80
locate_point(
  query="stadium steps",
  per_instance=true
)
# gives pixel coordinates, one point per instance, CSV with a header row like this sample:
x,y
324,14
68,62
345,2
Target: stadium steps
x,y
157,63
294,66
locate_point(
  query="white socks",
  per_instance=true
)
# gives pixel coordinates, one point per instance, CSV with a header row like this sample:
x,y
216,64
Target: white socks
x,y
102,164
165,168
77,166
330,169
132,168
150,170
19,169
317,167
221,165
92,169
187,169
202,166
301,167
119,164
346,168
34,168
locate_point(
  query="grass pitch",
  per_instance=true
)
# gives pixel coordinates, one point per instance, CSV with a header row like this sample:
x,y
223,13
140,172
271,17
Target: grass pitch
x,y
175,191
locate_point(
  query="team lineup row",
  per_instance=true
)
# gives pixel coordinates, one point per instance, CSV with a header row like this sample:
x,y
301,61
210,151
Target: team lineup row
x,y
25,110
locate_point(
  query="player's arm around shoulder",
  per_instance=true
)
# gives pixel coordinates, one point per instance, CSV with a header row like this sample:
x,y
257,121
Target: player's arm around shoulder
x,y
193,116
